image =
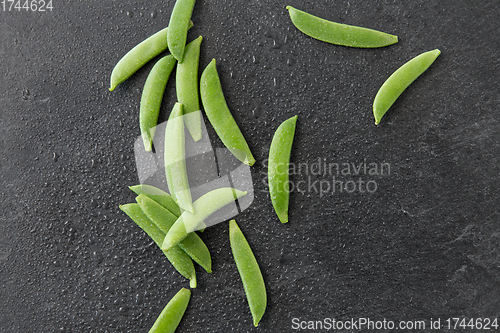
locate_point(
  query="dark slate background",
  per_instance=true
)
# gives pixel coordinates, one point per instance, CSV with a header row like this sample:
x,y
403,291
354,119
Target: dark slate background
x,y
425,244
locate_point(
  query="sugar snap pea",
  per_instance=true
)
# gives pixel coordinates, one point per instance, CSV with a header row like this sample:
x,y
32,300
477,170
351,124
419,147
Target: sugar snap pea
x,y
205,206
187,88
279,159
220,117
160,196
337,33
250,273
175,159
163,219
139,55
177,257
171,316
178,27
152,95
399,81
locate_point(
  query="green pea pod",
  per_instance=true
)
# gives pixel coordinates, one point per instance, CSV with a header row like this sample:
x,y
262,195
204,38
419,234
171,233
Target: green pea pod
x,y
205,206
152,95
171,316
139,55
220,117
178,258
175,159
279,159
250,273
178,27
187,88
163,219
337,33
160,196
399,81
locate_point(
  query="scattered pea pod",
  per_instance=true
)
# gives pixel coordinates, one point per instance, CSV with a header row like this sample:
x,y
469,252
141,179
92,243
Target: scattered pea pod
x,y
337,33
279,159
187,88
205,206
178,27
220,117
160,196
152,95
163,219
175,159
178,258
171,316
399,81
250,273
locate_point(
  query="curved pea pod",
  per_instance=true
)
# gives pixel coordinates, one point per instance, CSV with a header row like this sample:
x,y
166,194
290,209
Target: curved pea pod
x,y
394,86
337,33
175,159
178,258
250,273
139,55
178,27
171,316
163,219
187,88
205,206
220,117
152,95
279,159
158,195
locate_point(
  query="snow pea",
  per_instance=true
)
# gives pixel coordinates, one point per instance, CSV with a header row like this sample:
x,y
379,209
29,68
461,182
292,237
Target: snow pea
x,y
175,159
220,117
250,273
178,27
164,219
152,95
160,196
205,206
279,159
178,258
394,86
337,33
171,316
187,88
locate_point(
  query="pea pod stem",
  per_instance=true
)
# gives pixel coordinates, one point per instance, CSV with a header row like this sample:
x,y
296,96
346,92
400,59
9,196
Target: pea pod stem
x,y
172,314
205,206
394,86
178,27
337,33
178,258
152,95
279,159
250,273
220,117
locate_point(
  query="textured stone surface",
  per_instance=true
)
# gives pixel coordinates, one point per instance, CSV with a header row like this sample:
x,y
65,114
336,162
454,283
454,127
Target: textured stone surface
x,y
425,244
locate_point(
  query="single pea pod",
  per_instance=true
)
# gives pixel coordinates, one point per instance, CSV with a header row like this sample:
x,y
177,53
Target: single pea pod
x,y
152,95
179,26
278,165
177,257
187,87
175,159
139,55
220,117
158,195
250,273
193,245
337,33
205,206
171,316
394,86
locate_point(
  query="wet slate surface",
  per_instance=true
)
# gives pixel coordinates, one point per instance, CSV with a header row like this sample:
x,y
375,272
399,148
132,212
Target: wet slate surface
x,y
424,244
